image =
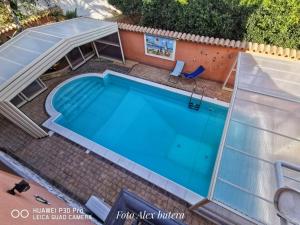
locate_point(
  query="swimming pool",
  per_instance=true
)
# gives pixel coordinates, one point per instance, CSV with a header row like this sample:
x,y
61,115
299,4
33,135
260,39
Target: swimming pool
x,y
149,125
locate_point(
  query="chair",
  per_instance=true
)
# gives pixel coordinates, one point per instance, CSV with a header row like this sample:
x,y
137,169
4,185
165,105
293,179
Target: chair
x,y
176,71
195,73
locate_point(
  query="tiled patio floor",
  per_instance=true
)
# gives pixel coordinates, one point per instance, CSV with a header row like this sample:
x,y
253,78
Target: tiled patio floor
x,y
66,164
211,89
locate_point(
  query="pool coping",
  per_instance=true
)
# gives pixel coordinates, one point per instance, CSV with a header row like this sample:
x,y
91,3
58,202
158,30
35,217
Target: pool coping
x,y
131,166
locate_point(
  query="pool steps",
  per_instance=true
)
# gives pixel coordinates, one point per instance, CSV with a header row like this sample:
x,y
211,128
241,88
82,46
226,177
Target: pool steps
x,y
71,93
77,99
81,102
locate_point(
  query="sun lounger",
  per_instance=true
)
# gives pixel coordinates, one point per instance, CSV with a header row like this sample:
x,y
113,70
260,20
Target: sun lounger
x,y
176,71
195,73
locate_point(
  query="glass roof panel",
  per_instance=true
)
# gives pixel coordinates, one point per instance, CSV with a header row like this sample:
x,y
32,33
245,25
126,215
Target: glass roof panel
x,y
71,27
8,69
22,51
246,203
33,44
260,174
19,55
45,37
263,126
262,144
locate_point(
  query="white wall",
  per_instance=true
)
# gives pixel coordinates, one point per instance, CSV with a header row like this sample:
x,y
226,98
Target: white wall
x,y
98,9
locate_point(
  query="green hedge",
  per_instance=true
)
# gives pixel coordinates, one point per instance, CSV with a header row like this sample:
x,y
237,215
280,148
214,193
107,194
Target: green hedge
x,y
216,18
128,7
264,21
276,23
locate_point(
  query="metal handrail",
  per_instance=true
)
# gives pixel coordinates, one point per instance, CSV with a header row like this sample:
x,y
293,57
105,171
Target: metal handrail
x,y
191,104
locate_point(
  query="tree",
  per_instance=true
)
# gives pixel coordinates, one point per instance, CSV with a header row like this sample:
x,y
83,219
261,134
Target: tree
x,y
264,21
5,16
13,9
276,22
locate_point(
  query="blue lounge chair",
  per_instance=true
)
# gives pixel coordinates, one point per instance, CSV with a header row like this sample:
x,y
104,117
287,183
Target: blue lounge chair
x,y
194,74
176,71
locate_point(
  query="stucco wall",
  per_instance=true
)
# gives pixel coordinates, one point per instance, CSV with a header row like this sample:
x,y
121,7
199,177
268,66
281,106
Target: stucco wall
x,y
217,60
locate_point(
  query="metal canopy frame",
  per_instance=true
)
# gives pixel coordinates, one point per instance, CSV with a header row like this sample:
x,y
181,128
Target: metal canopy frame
x,y
262,126
31,53
58,45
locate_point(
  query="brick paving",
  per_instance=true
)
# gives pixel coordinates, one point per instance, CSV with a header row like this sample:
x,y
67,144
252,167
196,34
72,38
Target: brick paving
x,y
211,89
67,166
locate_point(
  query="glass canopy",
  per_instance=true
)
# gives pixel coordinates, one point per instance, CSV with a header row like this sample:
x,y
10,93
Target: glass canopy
x,y
263,126
18,54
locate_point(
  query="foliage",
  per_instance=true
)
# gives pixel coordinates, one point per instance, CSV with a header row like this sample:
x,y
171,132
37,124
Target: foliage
x,y
20,9
264,21
217,18
23,8
57,13
128,7
5,17
70,14
14,11
276,24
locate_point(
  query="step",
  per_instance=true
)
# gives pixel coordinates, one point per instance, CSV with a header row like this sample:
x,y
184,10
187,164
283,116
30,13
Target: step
x,y
83,101
76,98
71,92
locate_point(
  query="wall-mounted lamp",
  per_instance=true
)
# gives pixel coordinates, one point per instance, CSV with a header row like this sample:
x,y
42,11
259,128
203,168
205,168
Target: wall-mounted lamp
x,y
22,186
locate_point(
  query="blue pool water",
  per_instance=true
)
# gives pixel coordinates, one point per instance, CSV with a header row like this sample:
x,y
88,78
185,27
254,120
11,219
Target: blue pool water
x,y
150,126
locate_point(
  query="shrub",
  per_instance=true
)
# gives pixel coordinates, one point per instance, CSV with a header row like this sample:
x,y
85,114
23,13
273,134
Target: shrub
x,y
276,22
219,18
70,14
128,7
5,17
57,13
264,21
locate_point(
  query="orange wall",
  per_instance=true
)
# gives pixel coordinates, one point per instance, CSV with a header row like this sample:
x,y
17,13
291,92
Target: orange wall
x,y
216,60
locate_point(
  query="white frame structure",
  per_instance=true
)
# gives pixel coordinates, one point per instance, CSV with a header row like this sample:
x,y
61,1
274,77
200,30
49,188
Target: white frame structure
x,y
108,43
43,87
45,45
270,87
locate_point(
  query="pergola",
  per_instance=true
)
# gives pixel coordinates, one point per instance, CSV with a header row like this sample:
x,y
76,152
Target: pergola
x,y
24,58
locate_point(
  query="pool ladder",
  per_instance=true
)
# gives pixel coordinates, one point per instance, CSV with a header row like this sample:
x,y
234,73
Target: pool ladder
x,y
192,103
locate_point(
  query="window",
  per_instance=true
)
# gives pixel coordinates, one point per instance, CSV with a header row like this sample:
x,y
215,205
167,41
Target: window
x,y
29,93
87,51
75,58
33,89
19,100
